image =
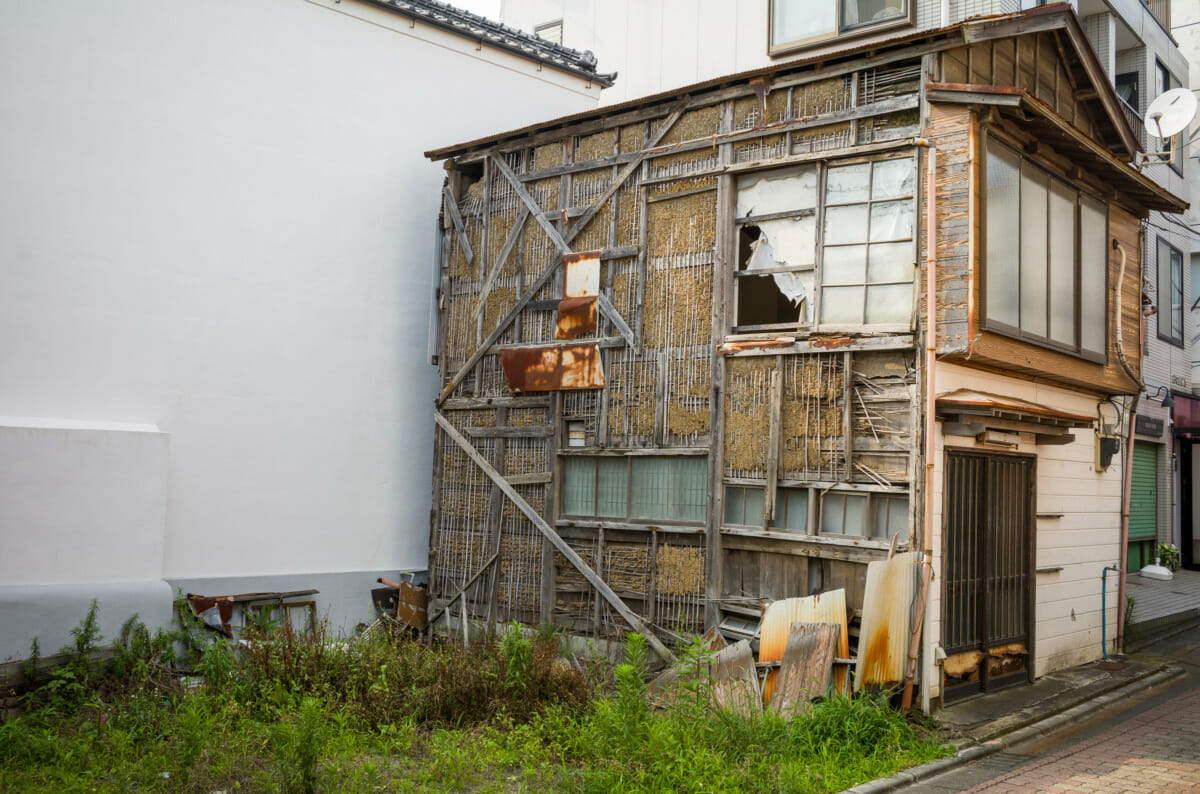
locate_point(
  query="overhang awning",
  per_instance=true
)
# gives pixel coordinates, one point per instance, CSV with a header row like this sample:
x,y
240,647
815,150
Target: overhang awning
x,y
1046,124
973,413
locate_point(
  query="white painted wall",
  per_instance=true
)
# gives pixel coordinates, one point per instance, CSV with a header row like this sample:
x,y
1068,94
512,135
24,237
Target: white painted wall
x,y
1067,603
215,218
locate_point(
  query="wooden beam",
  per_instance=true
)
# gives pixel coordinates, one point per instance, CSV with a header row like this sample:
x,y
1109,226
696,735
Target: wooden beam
x,y
459,226
773,435
559,544
617,320
509,432
530,204
509,243
630,167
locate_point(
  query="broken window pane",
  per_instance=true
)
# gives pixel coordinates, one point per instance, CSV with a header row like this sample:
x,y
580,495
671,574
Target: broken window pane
x,y
842,305
891,262
846,224
890,304
777,191
893,179
848,184
845,264
793,241
1003,230
760,302
892,220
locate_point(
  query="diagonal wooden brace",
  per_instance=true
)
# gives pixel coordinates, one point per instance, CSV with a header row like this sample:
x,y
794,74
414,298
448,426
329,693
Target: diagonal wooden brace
x,y
459,226
509,244
556,540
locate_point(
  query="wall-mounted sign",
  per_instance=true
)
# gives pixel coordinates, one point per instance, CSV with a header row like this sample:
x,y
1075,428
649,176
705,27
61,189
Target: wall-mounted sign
x,y
1148,426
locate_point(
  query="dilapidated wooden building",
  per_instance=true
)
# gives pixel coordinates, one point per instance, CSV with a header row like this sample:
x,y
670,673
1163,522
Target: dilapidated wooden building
x,y
685,349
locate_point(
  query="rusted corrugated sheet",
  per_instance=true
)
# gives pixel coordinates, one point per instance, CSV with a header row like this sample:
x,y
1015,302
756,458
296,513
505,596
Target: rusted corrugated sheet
x,y
777,622
581,275
968,398
552,368
576,318
887,616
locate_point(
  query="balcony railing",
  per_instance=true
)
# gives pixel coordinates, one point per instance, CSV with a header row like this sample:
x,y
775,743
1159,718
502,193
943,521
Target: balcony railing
x,y
1136,120
1161,10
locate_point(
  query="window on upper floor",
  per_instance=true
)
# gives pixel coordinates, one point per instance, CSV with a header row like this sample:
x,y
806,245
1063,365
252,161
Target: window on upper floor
x,y
1170,293
1045,270
799,23
550,31
1164,81
826,245
636,487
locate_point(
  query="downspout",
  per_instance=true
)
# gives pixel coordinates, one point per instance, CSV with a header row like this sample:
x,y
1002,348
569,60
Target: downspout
x,y
1127,474
914,646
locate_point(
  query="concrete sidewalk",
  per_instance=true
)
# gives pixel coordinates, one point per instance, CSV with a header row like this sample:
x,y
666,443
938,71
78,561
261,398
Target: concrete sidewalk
x,y
990,723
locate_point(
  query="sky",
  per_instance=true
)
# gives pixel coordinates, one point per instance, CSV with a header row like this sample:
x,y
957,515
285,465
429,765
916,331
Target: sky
x,y
486,8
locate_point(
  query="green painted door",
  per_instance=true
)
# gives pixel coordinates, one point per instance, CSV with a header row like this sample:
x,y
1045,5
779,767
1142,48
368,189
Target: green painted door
x,y
1143,506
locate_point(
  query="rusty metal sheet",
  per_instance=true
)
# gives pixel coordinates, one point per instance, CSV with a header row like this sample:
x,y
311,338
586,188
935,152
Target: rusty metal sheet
x,y
576,318
758,344
552,368
886,620
412,606
777,623
806,668
581,275
223,604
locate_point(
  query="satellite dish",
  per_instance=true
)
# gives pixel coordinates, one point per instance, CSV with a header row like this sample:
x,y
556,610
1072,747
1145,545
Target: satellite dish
x,y
1170,113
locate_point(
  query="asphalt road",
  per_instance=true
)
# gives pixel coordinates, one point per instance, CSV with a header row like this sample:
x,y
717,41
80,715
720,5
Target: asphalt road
x,y
1145,745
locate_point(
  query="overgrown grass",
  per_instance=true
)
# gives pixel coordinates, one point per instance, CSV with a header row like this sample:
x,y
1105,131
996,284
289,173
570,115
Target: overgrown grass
x,y
390,714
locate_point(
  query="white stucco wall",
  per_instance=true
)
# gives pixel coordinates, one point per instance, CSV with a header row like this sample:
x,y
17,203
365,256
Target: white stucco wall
x,y
215,218
1081,542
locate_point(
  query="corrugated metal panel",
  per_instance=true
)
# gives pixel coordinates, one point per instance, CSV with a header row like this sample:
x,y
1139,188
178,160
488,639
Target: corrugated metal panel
x,y
777,623
1143,503
886,620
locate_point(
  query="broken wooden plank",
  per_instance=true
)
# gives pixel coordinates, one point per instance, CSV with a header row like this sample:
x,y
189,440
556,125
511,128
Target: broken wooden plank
x,y
462,590
459,226
806,667
777,621
735,680
555,539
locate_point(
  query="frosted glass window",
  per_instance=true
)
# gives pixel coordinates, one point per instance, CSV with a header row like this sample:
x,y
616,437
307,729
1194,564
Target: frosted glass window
x,y
848,184
845,264
844,514
892,262
612,487
889,304
862,12
892,220
651,486
1062,263
893,179
1093,274
842,305
889,517
579,486
689,488
744,506
1003,231
1034,239
797,20
846,224
777,191
791,509
1046,256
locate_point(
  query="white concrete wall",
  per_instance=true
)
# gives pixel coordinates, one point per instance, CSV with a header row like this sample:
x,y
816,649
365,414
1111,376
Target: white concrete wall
x,y
657,45
215,218
1086,539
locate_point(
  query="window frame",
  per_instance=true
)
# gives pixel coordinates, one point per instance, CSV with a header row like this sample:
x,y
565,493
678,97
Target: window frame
x,y
906,18
628,462
989,139
814,508
736,329
1161,243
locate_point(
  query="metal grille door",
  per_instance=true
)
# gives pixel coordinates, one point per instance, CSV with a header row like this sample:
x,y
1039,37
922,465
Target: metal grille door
x,y
988,571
